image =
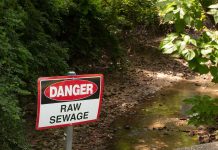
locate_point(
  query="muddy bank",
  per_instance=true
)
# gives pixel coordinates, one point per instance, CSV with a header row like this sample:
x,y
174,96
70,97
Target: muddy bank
x,y
162,122
148,72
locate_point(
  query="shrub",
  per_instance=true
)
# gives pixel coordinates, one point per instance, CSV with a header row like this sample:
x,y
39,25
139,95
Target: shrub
x,y
197,44
204,110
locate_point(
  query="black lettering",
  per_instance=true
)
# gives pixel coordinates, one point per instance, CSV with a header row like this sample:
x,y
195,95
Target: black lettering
x,y
85,116
58,119
72,117
52,119
70,108
69,117
66,117
79,116
63,108
77,106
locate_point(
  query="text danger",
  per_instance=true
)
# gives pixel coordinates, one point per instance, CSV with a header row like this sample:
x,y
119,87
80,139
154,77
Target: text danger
x,y
70,90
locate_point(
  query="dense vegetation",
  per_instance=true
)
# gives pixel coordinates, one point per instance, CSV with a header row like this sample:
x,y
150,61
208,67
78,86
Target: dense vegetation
x,y
43,38
196,40
47,37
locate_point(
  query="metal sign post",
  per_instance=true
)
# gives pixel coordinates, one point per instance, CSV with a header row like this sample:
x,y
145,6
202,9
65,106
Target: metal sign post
x,y
69,129
69,138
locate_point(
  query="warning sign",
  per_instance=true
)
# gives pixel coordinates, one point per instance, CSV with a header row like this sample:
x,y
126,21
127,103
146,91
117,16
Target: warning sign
x,y
68,100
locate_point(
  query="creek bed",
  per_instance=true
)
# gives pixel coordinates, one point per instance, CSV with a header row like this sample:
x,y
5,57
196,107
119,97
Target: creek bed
x,y
161,123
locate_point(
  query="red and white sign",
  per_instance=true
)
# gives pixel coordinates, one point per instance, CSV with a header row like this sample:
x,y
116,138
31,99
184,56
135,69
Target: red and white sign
x,y
68,100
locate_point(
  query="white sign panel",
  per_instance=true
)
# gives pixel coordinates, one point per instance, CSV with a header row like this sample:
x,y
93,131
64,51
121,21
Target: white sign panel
x,y
68,100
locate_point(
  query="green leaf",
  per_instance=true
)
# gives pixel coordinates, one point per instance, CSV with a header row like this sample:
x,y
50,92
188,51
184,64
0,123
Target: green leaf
x,y
172,36
203,110
186,38
212,12
214,73
168,9
202,60
202,69
192,41
195,65
168,17
176,11
169,48
188,54
188,19
214,6
198,24
180,26
206,51
181,45
192,64
214,70
216,19
181,13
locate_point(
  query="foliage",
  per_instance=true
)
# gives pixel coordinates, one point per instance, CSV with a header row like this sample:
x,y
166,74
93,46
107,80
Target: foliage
x,y
197,44
206,4
201,53
213,11
204,110
34,42
127,14
200,47
178,13
43,38
13,64
86,32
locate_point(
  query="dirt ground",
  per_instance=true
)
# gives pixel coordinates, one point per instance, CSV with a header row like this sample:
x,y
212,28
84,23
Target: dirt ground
x,y
146,73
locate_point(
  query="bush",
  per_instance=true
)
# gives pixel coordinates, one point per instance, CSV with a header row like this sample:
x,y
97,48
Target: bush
x,y
197,44
86,34
37,39
13,65
46,37
204,110
24,56
128,14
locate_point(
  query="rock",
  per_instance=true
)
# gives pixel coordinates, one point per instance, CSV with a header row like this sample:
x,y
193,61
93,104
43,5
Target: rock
x,y
166,133
202,132
192,133
127,127
212,137
146,128
197,84
159,128
201,128
183,118
211,129
208,146
186,131
115,130
204,139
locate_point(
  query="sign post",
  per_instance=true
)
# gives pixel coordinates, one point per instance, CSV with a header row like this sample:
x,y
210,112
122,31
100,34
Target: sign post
x,y
69,129
69,138
64,101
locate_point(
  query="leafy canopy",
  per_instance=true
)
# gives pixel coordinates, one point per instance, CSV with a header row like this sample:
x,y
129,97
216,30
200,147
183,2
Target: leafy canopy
x,y
191,40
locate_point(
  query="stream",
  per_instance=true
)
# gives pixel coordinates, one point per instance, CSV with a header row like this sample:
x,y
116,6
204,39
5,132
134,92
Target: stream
x,y
160,122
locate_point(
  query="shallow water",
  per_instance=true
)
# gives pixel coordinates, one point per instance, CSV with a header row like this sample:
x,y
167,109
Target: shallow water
x,y
158,124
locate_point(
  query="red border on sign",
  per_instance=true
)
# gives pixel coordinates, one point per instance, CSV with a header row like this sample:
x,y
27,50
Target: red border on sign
x,y
68,77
